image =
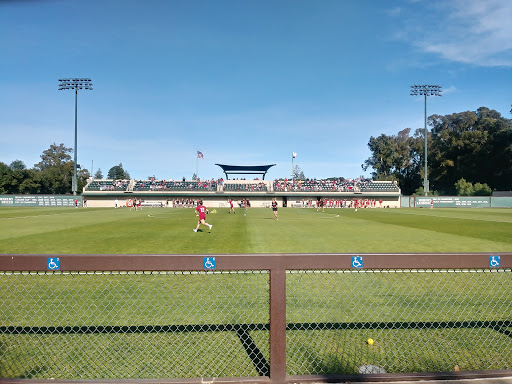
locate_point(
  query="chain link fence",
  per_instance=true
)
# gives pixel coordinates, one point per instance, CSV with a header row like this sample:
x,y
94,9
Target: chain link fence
x,y
150,325
396,321
111,325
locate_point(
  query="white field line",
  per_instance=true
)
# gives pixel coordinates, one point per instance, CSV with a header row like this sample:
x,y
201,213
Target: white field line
x,y
35,216
329,216
60,214
453,217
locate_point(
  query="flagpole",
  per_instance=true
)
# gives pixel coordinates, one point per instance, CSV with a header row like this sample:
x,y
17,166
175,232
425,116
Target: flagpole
x,y
197,167
292,167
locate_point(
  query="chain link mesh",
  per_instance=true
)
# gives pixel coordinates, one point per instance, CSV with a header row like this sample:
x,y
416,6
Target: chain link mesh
x,y
147,325
138,325
376,321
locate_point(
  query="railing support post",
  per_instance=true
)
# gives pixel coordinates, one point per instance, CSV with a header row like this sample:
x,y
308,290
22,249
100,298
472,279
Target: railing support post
x,y
277,325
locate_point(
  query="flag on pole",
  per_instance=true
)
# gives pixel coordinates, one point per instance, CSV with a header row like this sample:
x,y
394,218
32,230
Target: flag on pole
x,y
294,155
200,155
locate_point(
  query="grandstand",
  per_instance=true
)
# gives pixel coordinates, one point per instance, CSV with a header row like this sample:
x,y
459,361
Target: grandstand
x,y
216,193
162,185
384,186
108,185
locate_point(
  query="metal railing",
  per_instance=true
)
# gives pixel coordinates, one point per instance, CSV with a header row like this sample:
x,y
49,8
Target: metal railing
x,y
255,318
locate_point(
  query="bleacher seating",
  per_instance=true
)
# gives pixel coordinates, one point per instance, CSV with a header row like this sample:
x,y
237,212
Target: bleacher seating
x,y
335,185
308,185
381,186
107,185
169,185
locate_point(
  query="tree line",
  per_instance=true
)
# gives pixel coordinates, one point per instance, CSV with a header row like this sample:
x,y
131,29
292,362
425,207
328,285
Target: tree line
x,y
469,153
52,175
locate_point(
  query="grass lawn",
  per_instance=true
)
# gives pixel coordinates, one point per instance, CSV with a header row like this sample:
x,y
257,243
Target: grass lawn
x,y
331,315
168,231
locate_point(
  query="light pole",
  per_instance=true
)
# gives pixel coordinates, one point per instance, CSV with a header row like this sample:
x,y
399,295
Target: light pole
x,y
426,90
75,84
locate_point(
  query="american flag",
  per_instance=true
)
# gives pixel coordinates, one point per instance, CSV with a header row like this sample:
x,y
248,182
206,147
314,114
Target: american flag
x,y
200,155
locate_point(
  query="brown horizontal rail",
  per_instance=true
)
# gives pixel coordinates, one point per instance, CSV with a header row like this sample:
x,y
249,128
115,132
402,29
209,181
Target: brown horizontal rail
x,y
264,261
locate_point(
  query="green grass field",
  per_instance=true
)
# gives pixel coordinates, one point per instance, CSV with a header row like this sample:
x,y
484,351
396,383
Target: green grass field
x,y
338,300
168,231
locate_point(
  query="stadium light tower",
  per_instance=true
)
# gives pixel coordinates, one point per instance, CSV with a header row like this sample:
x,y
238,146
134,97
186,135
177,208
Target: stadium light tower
x,y
426,90
75,84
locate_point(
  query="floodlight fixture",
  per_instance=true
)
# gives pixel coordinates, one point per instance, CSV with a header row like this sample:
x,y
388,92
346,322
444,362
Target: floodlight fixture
x,y
426,90
75,84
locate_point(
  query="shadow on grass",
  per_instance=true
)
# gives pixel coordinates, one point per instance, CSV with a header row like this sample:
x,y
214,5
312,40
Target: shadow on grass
x,y
329,363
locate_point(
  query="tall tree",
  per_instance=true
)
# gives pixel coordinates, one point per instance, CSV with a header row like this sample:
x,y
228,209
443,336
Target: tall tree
x,y
6,179
17,165
397,158
56,169
54,156
98,174
476,146
117,172
30,182
298,173
82,176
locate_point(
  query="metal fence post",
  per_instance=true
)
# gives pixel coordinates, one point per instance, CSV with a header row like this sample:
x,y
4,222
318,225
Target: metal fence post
x,y
277,325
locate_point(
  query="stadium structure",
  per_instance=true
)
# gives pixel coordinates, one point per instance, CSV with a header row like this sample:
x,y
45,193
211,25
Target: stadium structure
x,y
335,192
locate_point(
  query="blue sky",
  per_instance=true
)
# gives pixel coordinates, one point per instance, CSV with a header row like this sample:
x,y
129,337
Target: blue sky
x,y
245,82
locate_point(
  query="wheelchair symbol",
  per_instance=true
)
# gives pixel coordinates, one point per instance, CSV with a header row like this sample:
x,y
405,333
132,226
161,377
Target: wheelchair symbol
x,y
209,262
494,261
357,261
53,263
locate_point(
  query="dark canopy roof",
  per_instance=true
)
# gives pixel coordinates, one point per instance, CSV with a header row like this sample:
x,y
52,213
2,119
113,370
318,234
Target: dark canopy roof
x,y
245,169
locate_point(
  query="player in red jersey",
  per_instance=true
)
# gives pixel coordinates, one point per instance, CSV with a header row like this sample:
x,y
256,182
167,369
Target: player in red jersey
x,y
231,209
201,212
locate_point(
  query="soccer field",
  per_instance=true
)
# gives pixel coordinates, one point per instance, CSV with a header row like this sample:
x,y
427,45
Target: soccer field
x,y
169,231
196,324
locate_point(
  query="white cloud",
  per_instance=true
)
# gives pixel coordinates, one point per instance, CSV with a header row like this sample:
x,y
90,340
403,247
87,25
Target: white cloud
x,y
450,89
395,11
466,31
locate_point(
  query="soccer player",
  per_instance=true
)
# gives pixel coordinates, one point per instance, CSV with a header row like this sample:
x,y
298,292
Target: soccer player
x,y
201,212
231,209
320,204
274,207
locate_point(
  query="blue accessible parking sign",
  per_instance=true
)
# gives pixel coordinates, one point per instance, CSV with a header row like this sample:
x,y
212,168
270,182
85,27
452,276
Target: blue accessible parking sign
x,y
357,261
494,261
209,263
53,263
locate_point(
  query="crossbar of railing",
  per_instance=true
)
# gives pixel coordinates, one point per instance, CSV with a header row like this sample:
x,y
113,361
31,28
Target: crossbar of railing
x,y
224,262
